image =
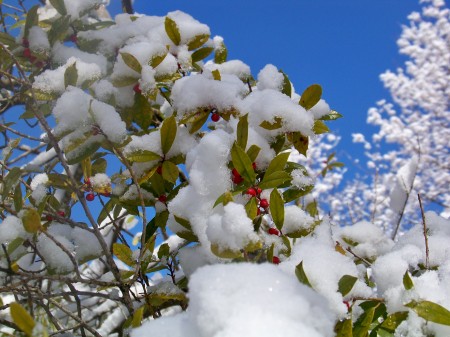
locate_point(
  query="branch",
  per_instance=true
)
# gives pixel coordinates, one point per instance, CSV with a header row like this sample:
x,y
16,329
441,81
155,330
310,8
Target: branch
x,y
127,7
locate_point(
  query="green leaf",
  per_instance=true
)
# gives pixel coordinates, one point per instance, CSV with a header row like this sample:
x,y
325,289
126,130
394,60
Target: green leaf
x,y
76,155
183,222
31,20
274,180
242,131
197,41
142,156
124,254
407,281
287,87
299,141
131,62
150,229
170,171
294,193
216,75
430,311
59,6
251,208
333,115
71,75
278,163
362,325
220,54
301,275
7,40
14,244
10,180
201,53
172,31
311,208
198,122
346,284
58,30
344,328
137,317
22,318
242,163
311,96
156,60
168,133
393,321
120,82
164,250
18,201
320,127
278,123
253,152
99,166
277,208
225,253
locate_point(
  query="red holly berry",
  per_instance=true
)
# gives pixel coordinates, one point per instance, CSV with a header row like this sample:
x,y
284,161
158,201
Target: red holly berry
x,y
27,53
162,198
87,181
90,196
48,217
273,231
251,191
159,170
258,211
254,166
258,191
264,203
215,117
137,88
61,213
237,179
276,260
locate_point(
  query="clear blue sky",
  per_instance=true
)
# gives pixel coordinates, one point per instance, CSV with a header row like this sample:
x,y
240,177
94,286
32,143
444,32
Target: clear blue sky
x,y
344,45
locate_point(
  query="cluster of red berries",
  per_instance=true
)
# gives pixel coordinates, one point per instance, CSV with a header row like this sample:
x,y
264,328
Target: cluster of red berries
x,y
29,55
262,203
91,196
236,177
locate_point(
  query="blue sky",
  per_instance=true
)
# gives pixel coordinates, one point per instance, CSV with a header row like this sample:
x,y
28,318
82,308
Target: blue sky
x,y
344,45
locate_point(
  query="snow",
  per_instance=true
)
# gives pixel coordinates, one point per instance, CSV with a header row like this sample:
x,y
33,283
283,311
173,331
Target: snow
x,y
233,300
233,230
270,78
38,40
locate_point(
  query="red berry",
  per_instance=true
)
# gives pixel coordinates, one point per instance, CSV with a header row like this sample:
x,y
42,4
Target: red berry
x,y
258,211
48,217
251,191
106,194
25,43
215,117
273,231
61,213
254,166
258,191
27,53
87,181
264,203
90,196
137,88
237,179
162,198
235,172
276,260
159,170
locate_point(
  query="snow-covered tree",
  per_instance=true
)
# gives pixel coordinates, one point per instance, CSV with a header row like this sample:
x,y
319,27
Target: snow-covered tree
x,y
150,186
409,152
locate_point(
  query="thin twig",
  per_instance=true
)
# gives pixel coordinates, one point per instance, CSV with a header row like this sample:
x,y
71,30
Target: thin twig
x,y
425,234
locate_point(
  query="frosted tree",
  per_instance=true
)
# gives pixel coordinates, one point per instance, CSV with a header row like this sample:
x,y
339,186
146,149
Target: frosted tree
x,y
151,186
409,153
